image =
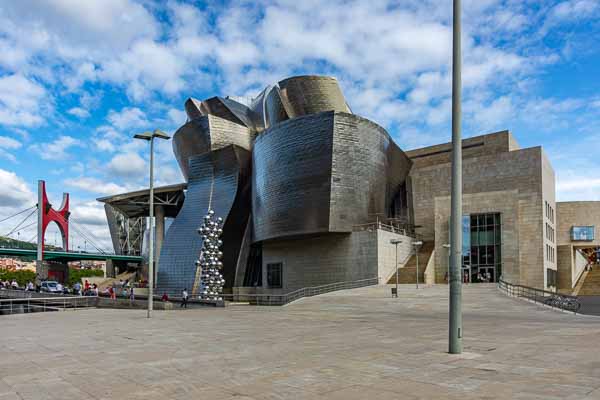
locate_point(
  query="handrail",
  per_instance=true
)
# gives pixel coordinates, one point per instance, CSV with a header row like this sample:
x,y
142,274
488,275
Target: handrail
x,y
280,299
551,299
32,304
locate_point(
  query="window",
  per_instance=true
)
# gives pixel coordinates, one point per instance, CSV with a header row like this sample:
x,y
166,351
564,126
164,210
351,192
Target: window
x,y
274,275
482,235
550,278
582,233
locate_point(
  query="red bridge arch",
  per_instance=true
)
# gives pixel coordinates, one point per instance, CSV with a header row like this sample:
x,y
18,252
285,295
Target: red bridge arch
x,y
47,214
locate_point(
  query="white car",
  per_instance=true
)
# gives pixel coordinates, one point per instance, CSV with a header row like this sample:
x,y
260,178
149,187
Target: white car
x,y
50,287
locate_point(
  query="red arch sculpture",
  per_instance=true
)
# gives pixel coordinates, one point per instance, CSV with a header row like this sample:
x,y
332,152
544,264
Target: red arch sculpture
x,y
47,214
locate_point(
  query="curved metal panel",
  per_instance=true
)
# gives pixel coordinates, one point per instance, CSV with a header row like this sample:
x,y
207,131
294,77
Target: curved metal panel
x,y
258,110
304,95
274,108
193,108
291,177
207,133
323,172
368,168
218,180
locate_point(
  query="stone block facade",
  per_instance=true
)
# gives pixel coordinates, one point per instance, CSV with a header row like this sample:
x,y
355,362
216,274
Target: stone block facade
x,y
498,177
334,258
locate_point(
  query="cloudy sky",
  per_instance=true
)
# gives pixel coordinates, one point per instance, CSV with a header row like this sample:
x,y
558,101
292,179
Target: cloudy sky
x,y
79,78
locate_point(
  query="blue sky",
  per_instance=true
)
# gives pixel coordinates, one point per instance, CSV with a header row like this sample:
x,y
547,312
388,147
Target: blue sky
x,y
79,78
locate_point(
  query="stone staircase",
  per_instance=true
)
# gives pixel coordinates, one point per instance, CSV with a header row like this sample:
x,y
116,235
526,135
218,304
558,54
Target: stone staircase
x,y
591,283
408,273
112,281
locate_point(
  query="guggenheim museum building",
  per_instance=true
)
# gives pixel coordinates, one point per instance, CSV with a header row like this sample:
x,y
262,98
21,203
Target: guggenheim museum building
x,y
313,194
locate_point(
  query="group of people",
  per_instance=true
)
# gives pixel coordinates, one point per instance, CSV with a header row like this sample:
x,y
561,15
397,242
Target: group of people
x,y
13,284
9,284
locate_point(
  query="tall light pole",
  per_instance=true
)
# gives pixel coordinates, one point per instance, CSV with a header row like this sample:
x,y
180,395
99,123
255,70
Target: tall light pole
x,y
149,136
455,306
396,242
416,245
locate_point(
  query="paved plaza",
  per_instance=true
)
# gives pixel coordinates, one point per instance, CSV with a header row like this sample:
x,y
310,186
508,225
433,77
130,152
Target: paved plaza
x,y
355,344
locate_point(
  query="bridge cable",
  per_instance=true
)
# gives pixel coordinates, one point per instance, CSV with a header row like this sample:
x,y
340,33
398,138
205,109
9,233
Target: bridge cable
x,y
23,228
86,237
20,212
20,223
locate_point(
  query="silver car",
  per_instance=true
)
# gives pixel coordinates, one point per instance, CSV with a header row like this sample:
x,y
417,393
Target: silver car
x,y
50,287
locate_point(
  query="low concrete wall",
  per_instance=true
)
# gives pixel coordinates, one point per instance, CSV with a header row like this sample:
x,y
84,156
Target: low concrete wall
x,y
578,266
429,273
104,302
386,253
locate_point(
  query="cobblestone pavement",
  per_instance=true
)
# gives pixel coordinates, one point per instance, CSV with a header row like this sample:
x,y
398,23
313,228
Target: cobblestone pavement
x,y
355,344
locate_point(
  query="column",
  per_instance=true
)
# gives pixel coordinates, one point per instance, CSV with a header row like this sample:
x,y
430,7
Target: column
x,y
159,216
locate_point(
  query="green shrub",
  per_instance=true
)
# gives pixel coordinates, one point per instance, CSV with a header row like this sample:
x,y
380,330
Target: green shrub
x,y
22,277
75,275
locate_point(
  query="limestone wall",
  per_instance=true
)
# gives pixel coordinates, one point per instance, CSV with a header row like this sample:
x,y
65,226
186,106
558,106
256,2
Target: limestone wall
x,y
517,174
330,258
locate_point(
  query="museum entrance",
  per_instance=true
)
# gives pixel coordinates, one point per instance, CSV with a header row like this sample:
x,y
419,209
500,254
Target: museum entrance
x,y
482,258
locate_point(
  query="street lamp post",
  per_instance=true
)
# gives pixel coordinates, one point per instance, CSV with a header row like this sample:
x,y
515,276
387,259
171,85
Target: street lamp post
x,y
149,136
396,242
455,306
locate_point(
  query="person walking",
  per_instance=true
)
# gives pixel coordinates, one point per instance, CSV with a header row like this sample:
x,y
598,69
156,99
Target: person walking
x,y
131,296
184,298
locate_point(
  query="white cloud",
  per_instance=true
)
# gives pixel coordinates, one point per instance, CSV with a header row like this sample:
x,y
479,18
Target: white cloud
x,y
15,192
9,143
56,149
94,185
21,100
79,112
127,118
89,213
177,117
127,165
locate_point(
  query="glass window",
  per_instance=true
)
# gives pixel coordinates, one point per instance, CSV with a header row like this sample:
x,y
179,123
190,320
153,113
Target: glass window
x,y
584,233
274,275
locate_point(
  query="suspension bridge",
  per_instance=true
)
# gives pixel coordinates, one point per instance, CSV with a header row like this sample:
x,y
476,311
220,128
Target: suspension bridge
x,y
41,215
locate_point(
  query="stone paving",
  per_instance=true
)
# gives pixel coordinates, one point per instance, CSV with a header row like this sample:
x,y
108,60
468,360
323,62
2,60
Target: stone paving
x,y
355,344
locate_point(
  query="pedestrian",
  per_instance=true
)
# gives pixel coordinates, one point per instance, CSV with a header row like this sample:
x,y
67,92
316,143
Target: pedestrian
x,y
86,286
77,288
131,296
488,277
30,286
14,284
113,295
184,298
165,297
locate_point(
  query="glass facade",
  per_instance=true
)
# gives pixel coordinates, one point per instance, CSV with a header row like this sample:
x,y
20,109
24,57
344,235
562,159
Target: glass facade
x,y
584,233
482,247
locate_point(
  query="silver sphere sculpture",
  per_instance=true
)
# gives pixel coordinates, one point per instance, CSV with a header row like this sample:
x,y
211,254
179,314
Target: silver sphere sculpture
x,y
211,278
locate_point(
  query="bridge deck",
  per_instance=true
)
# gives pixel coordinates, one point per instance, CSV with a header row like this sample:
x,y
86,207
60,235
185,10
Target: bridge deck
x,y
68,256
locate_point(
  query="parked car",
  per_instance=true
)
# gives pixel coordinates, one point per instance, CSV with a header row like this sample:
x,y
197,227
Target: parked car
x,y
50,287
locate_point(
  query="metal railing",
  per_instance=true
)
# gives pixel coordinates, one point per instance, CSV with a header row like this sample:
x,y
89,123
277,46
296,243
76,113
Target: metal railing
x,y
552,299
43,304
264,299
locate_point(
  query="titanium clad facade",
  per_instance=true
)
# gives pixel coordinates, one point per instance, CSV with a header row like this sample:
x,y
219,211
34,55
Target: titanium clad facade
x,y
215,181
291,177
201,135
303,95
321,173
